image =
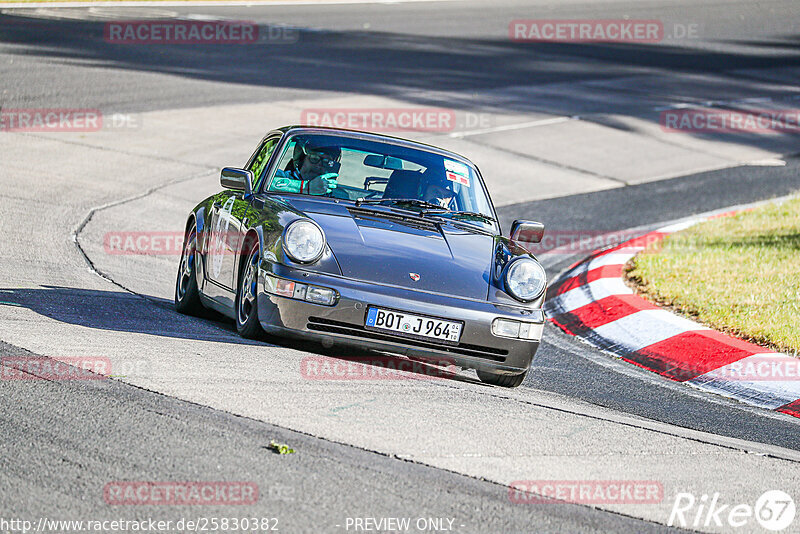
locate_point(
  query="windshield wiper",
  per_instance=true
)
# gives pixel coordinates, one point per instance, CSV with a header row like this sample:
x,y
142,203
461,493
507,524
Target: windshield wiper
x,y
475,214
434,209
429,206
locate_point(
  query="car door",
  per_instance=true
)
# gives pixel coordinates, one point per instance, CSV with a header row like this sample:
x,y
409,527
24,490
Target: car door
x,y
225,224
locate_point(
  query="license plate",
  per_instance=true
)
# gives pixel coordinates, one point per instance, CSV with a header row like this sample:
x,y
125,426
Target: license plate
x,y
413,325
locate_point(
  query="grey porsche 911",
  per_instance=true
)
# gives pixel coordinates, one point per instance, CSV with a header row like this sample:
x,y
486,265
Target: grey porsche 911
x,y
362,239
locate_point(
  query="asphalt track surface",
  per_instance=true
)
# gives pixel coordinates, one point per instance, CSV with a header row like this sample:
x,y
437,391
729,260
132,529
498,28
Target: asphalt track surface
x,y
103,430
415,49
62,440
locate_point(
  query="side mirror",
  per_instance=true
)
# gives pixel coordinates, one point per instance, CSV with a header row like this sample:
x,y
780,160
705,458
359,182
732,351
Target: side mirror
x,y
527,232
236,179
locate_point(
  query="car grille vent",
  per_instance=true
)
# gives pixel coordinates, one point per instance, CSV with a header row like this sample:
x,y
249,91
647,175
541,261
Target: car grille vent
x,y
320,324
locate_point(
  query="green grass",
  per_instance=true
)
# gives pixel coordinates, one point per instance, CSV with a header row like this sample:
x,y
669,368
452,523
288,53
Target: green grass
x,y
737,274
280,448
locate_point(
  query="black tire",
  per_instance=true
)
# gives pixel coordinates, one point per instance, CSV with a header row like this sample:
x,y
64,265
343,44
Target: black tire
x,y
247,298
187,297
505,381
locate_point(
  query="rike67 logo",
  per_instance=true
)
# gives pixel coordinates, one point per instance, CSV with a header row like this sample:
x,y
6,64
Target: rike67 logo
x,y
774,510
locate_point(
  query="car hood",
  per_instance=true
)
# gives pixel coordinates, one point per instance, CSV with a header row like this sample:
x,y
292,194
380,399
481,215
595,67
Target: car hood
x,y
374,248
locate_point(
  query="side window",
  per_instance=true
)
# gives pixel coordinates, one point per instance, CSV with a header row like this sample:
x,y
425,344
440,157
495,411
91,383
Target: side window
x,y
287,155
260,161
283,184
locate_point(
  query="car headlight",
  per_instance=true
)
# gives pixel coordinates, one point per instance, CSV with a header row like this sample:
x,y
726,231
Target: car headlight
x,y
525,279
304,241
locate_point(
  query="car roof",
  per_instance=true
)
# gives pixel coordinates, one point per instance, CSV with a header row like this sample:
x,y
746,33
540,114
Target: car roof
x,y
371,136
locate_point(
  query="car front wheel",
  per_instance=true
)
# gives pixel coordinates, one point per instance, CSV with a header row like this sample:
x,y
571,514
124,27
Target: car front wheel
x,y
187,297
246,298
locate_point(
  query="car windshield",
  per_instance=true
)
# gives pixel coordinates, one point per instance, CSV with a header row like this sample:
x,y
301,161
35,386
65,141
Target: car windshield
x,y
368,172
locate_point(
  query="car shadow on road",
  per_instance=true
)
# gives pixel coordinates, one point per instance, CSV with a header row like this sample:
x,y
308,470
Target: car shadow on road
x,y
115,311
119,311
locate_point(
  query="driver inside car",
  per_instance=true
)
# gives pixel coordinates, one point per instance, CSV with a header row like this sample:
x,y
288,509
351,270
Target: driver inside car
x,y
313,170
439,191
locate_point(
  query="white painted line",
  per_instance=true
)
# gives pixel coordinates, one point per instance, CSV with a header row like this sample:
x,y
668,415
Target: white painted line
x,y
715,103
769,395
756,99
517,126
675,106
766,163
778,380
677,227
200,3
641,329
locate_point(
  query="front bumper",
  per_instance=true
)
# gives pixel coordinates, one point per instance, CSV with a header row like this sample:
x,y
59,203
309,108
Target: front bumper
x,y
343,323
